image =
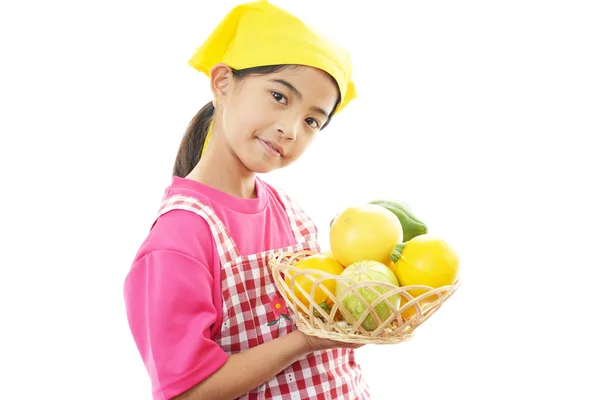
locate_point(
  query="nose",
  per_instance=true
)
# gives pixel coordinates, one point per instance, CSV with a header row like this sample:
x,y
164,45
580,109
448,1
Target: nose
x,y
288,129
287,134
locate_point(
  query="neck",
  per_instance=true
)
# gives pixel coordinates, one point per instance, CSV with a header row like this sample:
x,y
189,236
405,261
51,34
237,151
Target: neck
x,y
221,169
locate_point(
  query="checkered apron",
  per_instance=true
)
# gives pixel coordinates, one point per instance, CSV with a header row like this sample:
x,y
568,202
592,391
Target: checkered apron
x,y
248,318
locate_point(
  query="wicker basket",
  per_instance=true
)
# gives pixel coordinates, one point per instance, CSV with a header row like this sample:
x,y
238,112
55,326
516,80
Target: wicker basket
x,y
338,323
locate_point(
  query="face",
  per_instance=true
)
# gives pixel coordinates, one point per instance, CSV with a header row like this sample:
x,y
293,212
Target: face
x,y
270,120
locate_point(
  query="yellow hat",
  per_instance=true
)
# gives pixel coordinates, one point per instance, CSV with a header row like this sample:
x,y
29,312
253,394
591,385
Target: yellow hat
x,y
260,34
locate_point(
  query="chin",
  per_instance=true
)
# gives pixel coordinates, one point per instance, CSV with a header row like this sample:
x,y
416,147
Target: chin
x,y
260,167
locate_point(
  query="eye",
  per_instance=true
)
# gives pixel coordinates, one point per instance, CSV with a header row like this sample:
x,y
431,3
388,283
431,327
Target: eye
x,y
313,123
279,97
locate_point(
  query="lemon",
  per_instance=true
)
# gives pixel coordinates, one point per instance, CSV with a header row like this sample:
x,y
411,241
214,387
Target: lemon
x,y
425,260
412,310
322,262
365,232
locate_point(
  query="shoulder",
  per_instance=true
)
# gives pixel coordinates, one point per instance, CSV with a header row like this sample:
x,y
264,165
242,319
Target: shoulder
x,y
180,231
283,197
276,193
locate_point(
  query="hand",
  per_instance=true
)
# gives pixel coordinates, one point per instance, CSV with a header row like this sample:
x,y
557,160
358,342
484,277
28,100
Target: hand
x,y
316,343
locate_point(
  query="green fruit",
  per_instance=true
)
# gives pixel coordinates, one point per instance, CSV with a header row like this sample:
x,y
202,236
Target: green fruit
x,y
411,225
368,271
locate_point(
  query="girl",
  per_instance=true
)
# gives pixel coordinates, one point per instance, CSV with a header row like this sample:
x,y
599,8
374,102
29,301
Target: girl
x,y
201,302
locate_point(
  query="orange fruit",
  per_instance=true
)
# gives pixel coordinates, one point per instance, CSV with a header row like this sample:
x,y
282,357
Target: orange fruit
x,y
321,262
365,232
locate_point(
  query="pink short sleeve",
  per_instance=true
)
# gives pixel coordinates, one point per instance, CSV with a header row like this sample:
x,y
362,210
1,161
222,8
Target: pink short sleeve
x,y
169,301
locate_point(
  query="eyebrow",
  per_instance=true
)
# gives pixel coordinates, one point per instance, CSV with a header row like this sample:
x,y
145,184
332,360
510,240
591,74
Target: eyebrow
x,y
297,93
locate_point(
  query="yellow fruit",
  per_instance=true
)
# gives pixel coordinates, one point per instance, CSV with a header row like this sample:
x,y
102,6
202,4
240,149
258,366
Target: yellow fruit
x,y
366,232
411,310
321,262
425,260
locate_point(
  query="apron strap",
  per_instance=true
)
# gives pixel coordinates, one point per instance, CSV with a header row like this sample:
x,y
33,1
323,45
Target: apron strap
x,y
225,245
302,225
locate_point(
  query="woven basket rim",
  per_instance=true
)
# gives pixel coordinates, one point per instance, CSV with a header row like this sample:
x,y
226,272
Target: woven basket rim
x,y
338,323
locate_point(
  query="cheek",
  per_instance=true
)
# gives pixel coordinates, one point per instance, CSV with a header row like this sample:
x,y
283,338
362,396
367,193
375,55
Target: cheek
x,y
234,129
244,121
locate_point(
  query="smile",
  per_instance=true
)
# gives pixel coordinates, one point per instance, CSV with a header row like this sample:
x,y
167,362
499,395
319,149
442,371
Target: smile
x,y
271,149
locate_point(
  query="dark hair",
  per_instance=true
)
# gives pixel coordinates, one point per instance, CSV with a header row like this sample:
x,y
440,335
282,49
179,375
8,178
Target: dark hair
x,y
193,140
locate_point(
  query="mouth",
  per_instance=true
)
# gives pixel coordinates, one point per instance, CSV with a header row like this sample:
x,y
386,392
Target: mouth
x,y
272,148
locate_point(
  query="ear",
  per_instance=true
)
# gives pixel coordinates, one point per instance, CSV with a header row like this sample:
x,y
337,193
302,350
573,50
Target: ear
x,y
221,82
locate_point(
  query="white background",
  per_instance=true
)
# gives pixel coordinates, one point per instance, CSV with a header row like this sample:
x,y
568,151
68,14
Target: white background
x,y
483,116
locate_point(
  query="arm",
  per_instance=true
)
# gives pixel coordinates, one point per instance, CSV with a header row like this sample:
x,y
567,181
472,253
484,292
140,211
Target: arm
x,y
246,370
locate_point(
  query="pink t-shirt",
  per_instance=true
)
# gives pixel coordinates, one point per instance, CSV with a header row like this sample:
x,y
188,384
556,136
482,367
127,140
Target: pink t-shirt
x,y
173,290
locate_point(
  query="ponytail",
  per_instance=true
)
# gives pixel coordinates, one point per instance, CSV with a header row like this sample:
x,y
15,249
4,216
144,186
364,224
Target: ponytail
x,y
191,145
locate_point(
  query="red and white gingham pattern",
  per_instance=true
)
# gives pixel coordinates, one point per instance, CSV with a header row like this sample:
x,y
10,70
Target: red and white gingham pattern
x,y
225,246
303,227
248,289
